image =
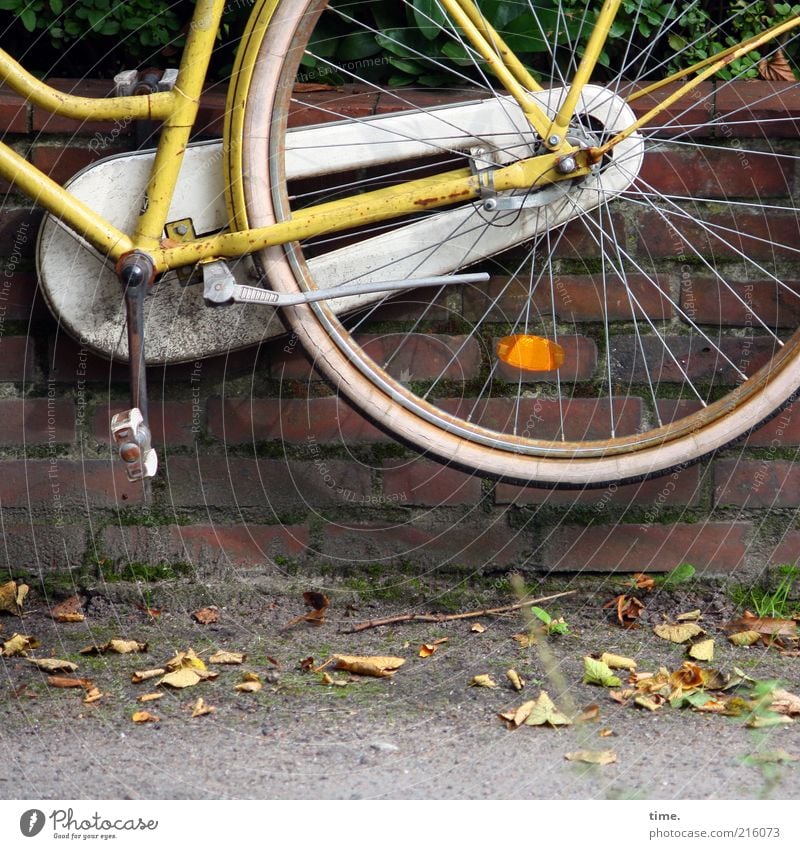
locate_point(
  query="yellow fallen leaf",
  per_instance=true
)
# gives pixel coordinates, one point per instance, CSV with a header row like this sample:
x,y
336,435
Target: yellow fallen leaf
x,y
181,678
200,708
768,720
69,610
63,682
516,717
249,686
525,640
116,646
70,617
606,732
544,712
251,676
227,657
185,660
53,664
691,616
678,633
592,756
649,702
18,644
744,638
150,697
377,666
483,681
516,682
477,628
144,716
426,649
617,661
704,650
12,597
146,674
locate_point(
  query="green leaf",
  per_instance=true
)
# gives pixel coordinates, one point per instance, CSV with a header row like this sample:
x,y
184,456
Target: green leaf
x,y
359,45
597,672
28,18
430,18
56,6
541,614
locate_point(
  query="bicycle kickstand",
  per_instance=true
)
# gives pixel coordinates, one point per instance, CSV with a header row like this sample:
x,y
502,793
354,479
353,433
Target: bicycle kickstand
x,y
130,429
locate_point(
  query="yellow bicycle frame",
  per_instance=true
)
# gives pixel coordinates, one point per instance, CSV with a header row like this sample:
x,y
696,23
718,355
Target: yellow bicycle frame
x,y
177,109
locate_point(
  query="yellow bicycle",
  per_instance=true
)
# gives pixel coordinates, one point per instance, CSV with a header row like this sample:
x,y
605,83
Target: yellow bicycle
x,y
346,189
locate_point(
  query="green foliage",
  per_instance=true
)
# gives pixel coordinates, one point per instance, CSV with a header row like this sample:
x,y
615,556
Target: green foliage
x,y
773,602
552,626
675,577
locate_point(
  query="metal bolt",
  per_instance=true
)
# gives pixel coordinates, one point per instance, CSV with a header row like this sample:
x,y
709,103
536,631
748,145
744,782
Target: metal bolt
x,y
490,204
181,229
553,140
566,165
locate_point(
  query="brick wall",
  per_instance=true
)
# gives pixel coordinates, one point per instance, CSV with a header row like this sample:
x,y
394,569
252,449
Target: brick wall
x,y
262,466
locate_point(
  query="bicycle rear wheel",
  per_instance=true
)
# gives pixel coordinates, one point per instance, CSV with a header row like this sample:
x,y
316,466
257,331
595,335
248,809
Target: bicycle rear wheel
x,y
668,277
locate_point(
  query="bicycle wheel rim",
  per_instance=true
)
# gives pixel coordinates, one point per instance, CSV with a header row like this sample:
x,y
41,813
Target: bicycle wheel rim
x,y
427,425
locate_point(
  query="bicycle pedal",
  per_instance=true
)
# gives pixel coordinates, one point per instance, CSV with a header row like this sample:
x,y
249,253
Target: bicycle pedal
x,y
132,438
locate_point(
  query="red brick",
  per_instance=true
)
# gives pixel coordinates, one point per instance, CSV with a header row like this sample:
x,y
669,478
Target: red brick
x,y
580,361
211,114
43,548
208,547
171,422
706,300
61,163
718,235
20,297
695,356
424,357
711,547
16,359
57,484
297,421
427,484
782,431
682,488
580,239
686,117
32,421
487,544
581,418
13,111
671,410
280,486
758,108
717,173
761,483
787,551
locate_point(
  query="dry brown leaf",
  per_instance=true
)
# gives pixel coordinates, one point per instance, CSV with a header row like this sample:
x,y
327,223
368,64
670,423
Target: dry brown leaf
x,y
678,633
591,713
525,640
18,644
689,676
307,664
69,610
617,661
621,696
703,650
515,718
426,649
744,638
477,628
251,676
180,678
206,615
12,597
319,605
249,686
144,716
150,697
200,708
146,674
483,681
606,732
516,682
377,667
592,756
653,702
65,682
227,657
643,582
765,625
776,67
53,664
93,695
116,646
628,609
785,702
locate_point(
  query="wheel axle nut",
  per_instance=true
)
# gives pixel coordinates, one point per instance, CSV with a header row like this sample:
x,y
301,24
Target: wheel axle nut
x,y
566,165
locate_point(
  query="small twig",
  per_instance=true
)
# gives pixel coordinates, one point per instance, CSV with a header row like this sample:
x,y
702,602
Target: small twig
x,y
450,617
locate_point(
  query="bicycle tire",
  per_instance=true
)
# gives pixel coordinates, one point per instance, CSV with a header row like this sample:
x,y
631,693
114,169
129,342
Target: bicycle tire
x,y
487,420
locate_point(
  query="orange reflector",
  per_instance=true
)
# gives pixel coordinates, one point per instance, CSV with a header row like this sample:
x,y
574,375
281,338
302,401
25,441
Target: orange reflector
x,y
532,353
